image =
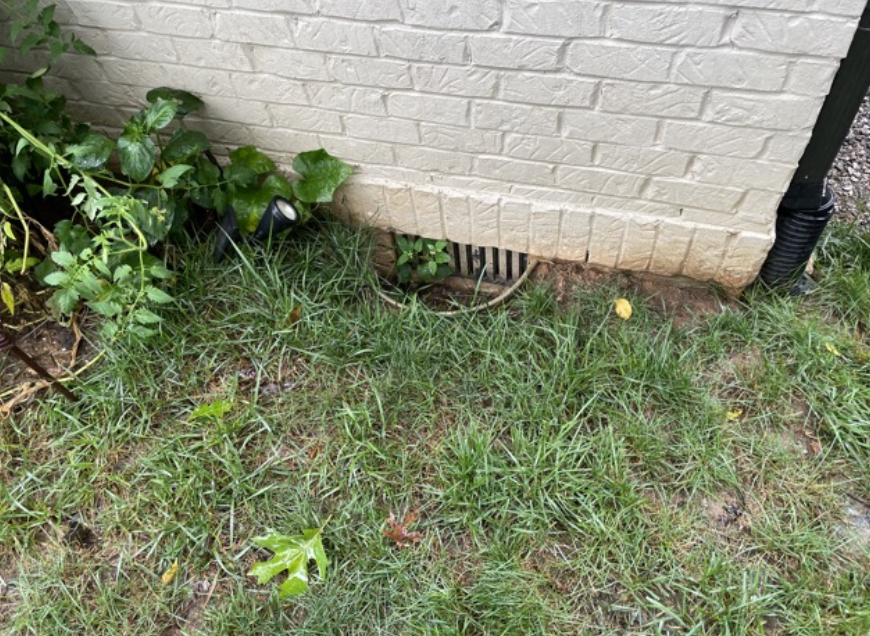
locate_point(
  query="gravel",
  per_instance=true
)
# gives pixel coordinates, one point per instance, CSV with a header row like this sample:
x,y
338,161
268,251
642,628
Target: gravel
x,y
849,177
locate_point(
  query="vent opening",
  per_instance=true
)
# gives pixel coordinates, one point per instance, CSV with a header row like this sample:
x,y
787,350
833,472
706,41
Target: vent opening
x,y
482,263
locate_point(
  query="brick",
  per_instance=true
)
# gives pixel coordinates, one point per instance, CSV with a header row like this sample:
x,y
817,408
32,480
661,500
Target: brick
x,y
786,148
484,220
302,65
400,209
206,85
457,219
620,129
513,224
364,203
269,88
548,90
640,240
713,139
386,129
464,15
331,36
574,235
275,6
460,139
514,52
447,80
420,158
369,10
544,231
361,150
173,20
635,206
213,54
606,238
513,171
231,109
773,112
377,73
107,15
642,161
671,248
548,149
760,205
514,118
691,194
743,260
599,181
254,28
132,46
550,195
348,99
731,69
446,110
302,118
661,100
426,46
668,24
427,211
852,8
728,171
619,61
706,253
127,72
809,77
565,18
824,36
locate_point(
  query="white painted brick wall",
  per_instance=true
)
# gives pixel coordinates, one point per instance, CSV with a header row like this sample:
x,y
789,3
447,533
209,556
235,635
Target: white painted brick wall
x,y
643,134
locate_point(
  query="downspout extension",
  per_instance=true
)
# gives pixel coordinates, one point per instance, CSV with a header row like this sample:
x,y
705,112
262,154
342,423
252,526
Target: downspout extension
x,y
808,203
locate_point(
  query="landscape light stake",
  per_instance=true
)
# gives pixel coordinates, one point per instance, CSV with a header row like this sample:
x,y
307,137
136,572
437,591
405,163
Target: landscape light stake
x,y
279,215
7,343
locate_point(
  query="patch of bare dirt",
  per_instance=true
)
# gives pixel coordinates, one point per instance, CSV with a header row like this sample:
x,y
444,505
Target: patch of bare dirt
x,y
682,300
727,512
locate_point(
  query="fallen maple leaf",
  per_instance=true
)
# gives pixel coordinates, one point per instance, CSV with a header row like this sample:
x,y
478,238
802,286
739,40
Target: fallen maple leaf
x,y
398,532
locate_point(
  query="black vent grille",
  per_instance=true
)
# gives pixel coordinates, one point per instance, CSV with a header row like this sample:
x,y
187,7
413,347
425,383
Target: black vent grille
x,y
486,263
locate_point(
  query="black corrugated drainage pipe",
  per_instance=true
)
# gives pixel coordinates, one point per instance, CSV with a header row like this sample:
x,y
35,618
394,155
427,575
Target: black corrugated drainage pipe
x,y
808,203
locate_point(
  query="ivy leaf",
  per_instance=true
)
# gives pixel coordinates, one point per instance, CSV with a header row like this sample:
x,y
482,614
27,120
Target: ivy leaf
x,y
320,173
186,102
252,158
92,153
292,553
137,156
184,144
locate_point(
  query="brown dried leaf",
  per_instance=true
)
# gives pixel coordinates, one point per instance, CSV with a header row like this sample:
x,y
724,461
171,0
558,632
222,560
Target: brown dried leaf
x,y
397,531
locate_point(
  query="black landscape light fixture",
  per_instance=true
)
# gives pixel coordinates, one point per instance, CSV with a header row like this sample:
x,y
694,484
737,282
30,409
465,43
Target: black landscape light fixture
x,y
280,215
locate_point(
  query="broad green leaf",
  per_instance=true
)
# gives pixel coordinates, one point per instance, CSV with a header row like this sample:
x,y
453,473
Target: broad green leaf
x,y
292,553
320,173
241,176
56,279
184,145
145,317
81,47
65,300
137,156
8,298
7,230
157,295
250,203
214,410
106,308
186,102
143,333
93,152
170,177
122,274
252,158
64,259
160,114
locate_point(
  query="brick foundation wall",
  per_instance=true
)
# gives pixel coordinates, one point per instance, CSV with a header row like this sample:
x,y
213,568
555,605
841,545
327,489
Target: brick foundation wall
x,y
645,135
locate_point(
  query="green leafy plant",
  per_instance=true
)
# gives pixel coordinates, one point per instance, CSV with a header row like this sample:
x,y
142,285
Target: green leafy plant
x,y
124,196
426,260
292,553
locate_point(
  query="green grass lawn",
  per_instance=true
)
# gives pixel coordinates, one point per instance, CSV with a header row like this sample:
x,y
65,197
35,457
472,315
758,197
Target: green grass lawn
x,y
574,473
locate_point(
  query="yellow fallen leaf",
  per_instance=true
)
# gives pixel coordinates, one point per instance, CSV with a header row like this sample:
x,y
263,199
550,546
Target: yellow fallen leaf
x,y
734,415
832,349
170,573
622,308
